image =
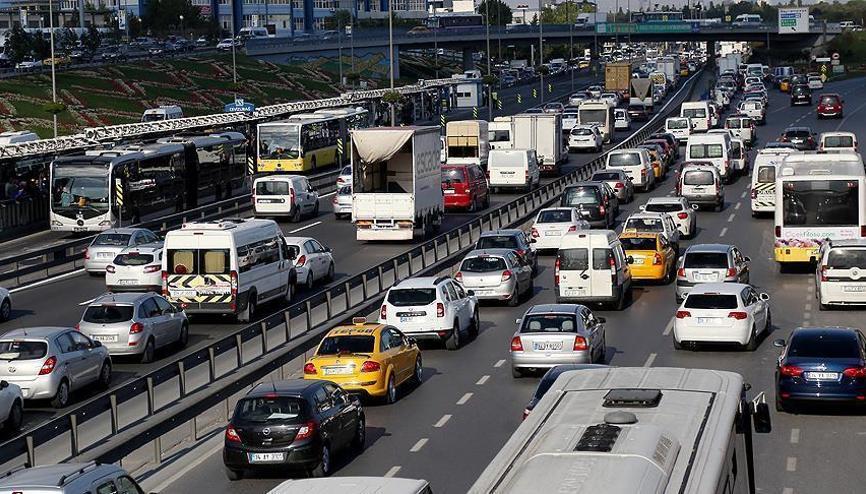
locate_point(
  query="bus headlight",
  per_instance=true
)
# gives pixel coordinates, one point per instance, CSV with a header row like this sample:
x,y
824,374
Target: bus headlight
x,y
56,223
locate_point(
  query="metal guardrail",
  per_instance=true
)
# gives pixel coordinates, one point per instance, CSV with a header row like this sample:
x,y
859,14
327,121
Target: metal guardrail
x,y
15,215
120,424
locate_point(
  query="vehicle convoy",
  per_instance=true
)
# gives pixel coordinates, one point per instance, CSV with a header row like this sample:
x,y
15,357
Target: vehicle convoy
x,y
617,78
467,143
541,132
397,184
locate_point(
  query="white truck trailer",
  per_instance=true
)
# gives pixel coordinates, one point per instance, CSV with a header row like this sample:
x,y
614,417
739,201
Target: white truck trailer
x,y
543,133
467,142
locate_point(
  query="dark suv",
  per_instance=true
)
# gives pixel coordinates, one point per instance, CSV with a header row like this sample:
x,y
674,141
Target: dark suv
x,y
801,137
801,94
594,200
295,424
514,239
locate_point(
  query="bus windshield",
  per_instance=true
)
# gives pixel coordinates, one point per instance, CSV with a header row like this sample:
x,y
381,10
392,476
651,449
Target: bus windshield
x,y
79,188
821,203
279,141
592,116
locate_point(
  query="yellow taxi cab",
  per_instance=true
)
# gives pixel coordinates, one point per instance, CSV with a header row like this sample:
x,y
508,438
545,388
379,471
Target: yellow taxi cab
x,y
653,256
785,85
368,358
657,163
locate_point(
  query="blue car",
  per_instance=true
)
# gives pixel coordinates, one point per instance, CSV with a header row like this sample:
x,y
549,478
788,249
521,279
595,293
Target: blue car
x,y
821,364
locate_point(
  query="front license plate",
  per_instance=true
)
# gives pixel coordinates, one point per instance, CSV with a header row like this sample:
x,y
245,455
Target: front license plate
x,y
708,320
104,338
854,288
266,457
822,376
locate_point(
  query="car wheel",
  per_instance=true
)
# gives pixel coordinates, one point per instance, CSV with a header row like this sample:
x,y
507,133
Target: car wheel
x,y
620,301
391,391
13,421
5,310
752,344
677,344
233,474
780,407
473,205
360,439
473,327
296,216
453,341
149,350
309,283
417,373
323,469
603,355
183,338
315,210
249,313
486,203
516,373
330,275
61,397
514,299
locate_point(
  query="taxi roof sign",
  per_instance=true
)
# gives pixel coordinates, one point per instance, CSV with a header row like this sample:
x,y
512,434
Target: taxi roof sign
x,y
359,320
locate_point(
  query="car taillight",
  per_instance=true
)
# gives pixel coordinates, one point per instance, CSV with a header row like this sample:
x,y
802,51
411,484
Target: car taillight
x,y
232,435
109,269
534,232
458,276
732,272
516,344
612,264
738,315
526,412
292,197
383,312
310,368
301,261
136,328
790,371
371,366
682,215
334,200
572,228
618,185
855,372
86,254
556,272
823,273
754,193
682,314
580,344
520,252
778,231
165,283
784,139
440,309
601,209
863,230
657,258
506,275
48,366
152,269
306,431
643,172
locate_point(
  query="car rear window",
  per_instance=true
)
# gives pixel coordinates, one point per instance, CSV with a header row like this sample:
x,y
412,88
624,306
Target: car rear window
x,y
345,190
824,345
766,174
22,350
483,264
497,242
574,196
411,296
677,124
268,409
108,314
453,175
133,259
662,207
638,243
549,323
732,123
829,100
644,224
111,239
797,133
555,216
715,260
623,159
694,112
335,345
838,142
699,151
846,258
268,188
698,177
711,301
581,132
578,259
604,176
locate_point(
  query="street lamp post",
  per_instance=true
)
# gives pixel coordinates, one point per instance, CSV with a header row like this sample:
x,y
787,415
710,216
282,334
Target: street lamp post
x,y
541,46
435,44
53,63
391,55
489,86
234,61
570,42
181,24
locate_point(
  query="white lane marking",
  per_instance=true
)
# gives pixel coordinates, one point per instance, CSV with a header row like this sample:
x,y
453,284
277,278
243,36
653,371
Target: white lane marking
x,y
788,490
463,399
807,316
795,436
483,380
47,280
650,360
444,420
390,473
420,444
731,217
499,363
723,232
296,230
329,194
848,115
791,464
743,195
808,307
669,327
737,206
87,302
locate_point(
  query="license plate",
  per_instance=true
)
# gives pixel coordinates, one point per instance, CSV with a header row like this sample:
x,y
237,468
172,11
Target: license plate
x,y
705,277
854,288
449,191
708,320
104,338
103,254
552,234
79,229
126,282
574,292
638,260
407,318
336,371
547,345
482,292
823,376
266,457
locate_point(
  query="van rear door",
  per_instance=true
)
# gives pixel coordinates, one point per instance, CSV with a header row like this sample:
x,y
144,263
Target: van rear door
x,y
509,170
585,273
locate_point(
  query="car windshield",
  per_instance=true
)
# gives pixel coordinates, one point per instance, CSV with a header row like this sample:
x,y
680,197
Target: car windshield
x,y
574,196
548,323
698,177
554,216
497,242
664,207
268,409
694,112
644,224
605,176
713,260
79,188
335,345
846,258
22,350
411,296
824,345
623,159
638,243
133,259
711,301
838,142
111,240
483,264
108,314
453,175
280,141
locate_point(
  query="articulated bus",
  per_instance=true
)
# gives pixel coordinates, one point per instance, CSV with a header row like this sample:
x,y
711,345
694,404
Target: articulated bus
x,y
307,141
633,430
818,197
105,188
659,16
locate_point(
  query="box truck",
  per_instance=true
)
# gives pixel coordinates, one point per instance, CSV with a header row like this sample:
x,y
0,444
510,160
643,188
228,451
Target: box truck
x,y
543,133
617,77
467,142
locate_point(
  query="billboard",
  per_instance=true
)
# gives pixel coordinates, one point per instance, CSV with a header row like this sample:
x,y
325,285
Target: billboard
x,y
793,20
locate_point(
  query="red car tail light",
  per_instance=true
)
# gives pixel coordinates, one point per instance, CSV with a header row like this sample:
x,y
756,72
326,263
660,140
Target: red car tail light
x,y
682,314
855,372
738,315
516,344
310,368
732,272
109,269
657,259
823,273
136,328
383,312
506,275
580,344
301,261
440,309
306,431
371,366
534,232
152,269
48,366
232,434
682,215
791,371
556,272
458,276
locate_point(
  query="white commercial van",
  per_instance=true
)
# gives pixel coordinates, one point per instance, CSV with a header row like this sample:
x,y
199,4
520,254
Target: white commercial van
x,y
714,148
166,112
513,169
636,163
679,127
764,171
699,113
284,195
499,133
591,266
229,266
834,142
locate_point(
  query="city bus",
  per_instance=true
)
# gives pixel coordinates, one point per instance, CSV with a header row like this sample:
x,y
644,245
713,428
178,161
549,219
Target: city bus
x,y
102,189
818,197
600,113
306,141
621,430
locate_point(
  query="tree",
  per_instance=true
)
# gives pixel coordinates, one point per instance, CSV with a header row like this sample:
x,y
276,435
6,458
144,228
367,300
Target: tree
x,y
18,44
40,46
339,20
164,15
500,12
91,38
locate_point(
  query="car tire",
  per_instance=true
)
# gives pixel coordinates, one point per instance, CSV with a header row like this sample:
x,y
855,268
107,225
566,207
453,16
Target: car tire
x,y
323,469
249,312
5,309
149,351
418,371
603,356
315,210
234,475
768,326
391,391
677,344
104,379
360,439
183,337
453,341
486,203
620,301
330,276
752,344
296,216
473,328
61,397
13,421
473,205
309,283
514,299
780,407
516,373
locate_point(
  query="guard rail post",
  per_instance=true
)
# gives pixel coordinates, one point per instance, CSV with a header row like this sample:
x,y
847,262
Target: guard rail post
x,y
211,360
348,286
31,451
151,399
328,300
287,317
239,343
309,316
73,434
112,399
364,284
264,327
181,378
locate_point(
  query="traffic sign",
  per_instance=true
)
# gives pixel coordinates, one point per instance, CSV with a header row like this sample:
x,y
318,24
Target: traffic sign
x,y
835,56
239,106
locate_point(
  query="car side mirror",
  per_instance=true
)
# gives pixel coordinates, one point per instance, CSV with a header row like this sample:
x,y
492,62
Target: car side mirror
x,y
747,258
764,297
471,293
642,207
779,343
4,384
629,259
600,319
97,343
517,321
695,207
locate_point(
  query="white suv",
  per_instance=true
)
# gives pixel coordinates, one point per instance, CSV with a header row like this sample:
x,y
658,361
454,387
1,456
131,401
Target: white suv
x,y
435,308
840,277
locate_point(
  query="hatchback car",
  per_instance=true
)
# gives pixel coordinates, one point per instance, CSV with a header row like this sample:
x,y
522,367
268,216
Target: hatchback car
x,y
108,244
496,274
552,334
342,202
514,239
722,313
651,222
49,363
314,262
552,223
134,324
618,180
801,95
465,187
821,364
711,263
345,176
830,105
136,268
295,424
596,202
679,210
815,82
71,478
11,407
801,137
549,378
652,257
584,138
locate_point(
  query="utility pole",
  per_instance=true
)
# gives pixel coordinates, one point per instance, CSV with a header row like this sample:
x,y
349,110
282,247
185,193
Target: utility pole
x,y
391,56
489,63
541,46
53,63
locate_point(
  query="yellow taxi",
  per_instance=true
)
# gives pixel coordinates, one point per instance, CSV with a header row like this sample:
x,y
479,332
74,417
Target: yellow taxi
x,y
785,85
657,163
368,358
653,256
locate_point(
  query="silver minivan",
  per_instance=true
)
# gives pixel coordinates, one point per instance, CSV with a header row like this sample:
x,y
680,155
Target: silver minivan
x,y
591,266
285,195
636,163
71,478
496,274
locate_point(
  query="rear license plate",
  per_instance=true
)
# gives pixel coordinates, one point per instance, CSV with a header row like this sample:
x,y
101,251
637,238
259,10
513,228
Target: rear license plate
x,y
266,457
708,320
822,376
449,191
407,318
638,260
854,288
574,292
547,345
482,292
705,277
126,282
103,254
552,234
104,338
336,371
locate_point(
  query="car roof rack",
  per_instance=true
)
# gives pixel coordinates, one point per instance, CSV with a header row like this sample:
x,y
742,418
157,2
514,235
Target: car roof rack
x,y
81,471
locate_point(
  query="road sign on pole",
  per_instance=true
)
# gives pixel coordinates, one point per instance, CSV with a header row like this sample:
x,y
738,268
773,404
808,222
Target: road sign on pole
x,y
794,21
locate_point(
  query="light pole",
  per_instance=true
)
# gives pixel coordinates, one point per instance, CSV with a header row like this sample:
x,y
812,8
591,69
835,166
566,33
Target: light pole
x,y
570,42
234,60
181,24
541,46
391,55
53,64
435,44
489,86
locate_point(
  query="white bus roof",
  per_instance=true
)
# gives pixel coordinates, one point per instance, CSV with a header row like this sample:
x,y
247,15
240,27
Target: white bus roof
x,y
350,485
811,164
621,430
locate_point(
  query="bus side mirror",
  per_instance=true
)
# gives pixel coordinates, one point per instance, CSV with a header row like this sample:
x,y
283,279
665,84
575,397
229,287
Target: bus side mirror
x,y
761,416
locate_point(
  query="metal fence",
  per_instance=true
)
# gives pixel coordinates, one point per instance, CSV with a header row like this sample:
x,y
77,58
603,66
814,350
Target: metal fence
x,y
18,215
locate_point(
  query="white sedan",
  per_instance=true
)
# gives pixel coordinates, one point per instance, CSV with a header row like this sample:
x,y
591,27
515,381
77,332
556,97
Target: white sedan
x,y
11,407
679,210
722,313
5,304
313,261
135,269
584,137
345,177
815,82
552,223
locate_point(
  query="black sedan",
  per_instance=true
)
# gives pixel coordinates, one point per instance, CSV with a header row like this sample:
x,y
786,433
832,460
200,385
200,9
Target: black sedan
x,y
801,95
295,424
821,364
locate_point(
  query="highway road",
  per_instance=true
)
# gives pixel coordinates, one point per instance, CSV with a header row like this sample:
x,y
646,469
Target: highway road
x,y
61,301
449,428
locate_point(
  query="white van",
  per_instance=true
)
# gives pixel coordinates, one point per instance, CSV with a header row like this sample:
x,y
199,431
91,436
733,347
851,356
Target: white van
x,y
739,157
715,148
764,171
165,112
701,184
636,163
679,127
499,133
513,168
833,142
699,113
353,485
227,266
285,195
591,266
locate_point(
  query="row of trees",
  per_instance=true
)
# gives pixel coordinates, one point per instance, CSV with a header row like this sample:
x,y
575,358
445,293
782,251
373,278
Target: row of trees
x,y
21,44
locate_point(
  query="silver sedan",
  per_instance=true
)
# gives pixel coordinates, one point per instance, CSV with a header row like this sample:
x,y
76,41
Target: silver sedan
x,y
496,274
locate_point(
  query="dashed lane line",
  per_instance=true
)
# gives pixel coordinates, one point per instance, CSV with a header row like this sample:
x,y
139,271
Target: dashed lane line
x,y
393,471
483,380
791,464
417,446
743,195
296,230
795,436
723,232
499,363
650,360
731,217
444,420
788,490
669,327
463,399
737,206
